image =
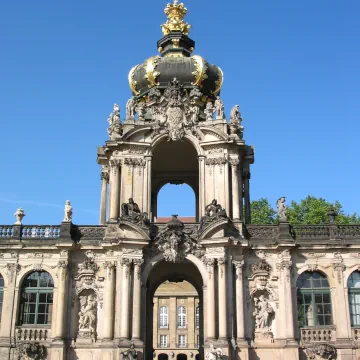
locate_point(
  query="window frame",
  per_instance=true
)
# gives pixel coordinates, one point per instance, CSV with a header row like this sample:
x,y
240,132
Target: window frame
x,y
166,341
314,292
181,317
197,317
163,317
26,302
184,344
353,290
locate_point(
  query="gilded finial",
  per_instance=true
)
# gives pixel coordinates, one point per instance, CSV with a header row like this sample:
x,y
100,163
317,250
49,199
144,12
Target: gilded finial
x,y
175,13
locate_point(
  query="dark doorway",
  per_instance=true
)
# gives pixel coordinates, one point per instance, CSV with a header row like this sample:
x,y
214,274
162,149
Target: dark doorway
x,y
163,357
181,357
197,357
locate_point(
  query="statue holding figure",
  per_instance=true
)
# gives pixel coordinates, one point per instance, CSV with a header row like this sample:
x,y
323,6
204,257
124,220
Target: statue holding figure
x,y
282,209
87,314
131,212
262,312
213,211
214,353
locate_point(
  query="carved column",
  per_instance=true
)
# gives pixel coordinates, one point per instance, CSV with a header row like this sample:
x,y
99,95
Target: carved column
x,y
147,187
235,188
118,299
114,189
109,300
202,187
136,323
240,318
61,299
210,311
222,298
104,176
246,179
124,322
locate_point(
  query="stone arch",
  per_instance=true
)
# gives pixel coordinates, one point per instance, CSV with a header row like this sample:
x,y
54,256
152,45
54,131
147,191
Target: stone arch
x,y
163,356
5,278
348,273
321,269
23,273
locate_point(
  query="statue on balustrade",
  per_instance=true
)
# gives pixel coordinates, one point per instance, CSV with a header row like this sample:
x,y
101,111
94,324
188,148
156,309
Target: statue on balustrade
x,y
282,209
19,215
235,128
130,109
115,127
214,353
262,312
131,212
68,212
213,212
129,354
209,111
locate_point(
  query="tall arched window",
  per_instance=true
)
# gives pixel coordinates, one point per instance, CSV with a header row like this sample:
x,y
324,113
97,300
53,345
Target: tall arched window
x,y
1,294
181,315
313,299
354,298
164,317
36,300
197,317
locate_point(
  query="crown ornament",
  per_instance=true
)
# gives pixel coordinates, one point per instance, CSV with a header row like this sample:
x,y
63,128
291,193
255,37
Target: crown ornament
x,y
175,13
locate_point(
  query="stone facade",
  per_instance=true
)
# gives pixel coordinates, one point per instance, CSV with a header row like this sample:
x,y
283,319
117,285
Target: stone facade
x,y
268,292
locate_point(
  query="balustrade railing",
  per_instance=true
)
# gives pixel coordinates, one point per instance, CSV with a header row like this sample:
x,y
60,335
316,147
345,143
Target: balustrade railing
x,y
40,231
91,231
310,335
6,231
311,232
261,232
32,334
349,231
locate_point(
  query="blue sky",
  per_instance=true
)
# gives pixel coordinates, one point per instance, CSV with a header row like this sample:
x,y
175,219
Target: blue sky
x,y
293,66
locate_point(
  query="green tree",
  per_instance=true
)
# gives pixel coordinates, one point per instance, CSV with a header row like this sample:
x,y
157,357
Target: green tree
x,y
262,212
311,210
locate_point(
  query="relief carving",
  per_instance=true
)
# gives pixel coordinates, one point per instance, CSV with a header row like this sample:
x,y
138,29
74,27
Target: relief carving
x,y
321,352
213,213
31,351
131,212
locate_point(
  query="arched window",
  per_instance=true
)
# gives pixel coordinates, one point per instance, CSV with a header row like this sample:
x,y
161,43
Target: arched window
x,y
36,300
354,298
1,294
197,317
164,317
181,322
313,299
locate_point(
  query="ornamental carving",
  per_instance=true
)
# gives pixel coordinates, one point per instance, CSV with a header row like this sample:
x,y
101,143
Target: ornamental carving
x,y
216,161
236,130
87,315
261,266
115,127
263,316
214,353
213,212
129,354
11,270
31,351
135,162
321,352
175,241
131,212
88,265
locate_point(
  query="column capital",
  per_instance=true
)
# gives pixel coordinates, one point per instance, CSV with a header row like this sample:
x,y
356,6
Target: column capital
x,y
221,261
125,261
234,162
238,264
104,175
109,264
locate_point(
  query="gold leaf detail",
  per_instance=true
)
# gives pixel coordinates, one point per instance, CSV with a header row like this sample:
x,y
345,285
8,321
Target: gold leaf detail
x,y
132,82
200,72
150,71
175,19
219,82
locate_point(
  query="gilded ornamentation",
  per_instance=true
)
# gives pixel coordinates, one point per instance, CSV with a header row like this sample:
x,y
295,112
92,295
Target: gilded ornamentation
x,y
176,43
132,82
200,70
150,71
175,19
219,82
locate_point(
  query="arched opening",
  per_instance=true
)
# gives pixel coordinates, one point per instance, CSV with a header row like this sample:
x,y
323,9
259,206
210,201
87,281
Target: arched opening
x,y
353,285
176,199
174,163
181,357
163,357
36,299
173,295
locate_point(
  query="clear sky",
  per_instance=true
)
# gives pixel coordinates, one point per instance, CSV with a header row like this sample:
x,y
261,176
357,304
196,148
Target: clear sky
x,y
293,66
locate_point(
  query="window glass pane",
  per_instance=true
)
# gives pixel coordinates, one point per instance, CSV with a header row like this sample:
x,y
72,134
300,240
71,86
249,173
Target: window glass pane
x,y
1,281
354,280
42,297
326,298
317,283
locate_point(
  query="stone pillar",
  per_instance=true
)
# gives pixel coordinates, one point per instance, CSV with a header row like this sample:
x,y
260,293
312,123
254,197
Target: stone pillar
x,y
136,321
235,188
124,322
222,298
210,301
246,179
147,186
118,300
61,299
8,301
104,181
109,301
114,189
202,187
240,318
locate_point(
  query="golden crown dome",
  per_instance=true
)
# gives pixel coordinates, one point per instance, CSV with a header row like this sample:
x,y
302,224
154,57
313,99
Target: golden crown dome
x,y
175,13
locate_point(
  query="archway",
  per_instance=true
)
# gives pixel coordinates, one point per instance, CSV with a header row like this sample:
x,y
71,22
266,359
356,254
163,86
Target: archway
x,y
177,286
163,357
174,163
181,357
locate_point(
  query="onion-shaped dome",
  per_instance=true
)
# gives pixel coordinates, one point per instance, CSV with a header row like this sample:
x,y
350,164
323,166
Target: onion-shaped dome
x,y
175,61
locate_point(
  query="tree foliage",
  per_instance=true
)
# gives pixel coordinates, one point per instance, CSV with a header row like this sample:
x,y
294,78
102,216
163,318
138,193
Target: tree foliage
x,y
311,210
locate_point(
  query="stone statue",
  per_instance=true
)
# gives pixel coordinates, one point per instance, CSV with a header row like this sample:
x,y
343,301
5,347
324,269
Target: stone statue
x,y
214,353
282,209
235,127
129,354
195,112
68,212
89,264
141,110
115,127
131,212
19,215
262,312
213,212
209,111
219,108
87,314
130,109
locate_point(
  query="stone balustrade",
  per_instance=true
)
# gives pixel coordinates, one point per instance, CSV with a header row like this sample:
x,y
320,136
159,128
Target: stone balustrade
x,y
32,334
6,231
311,232
40,232
323,334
